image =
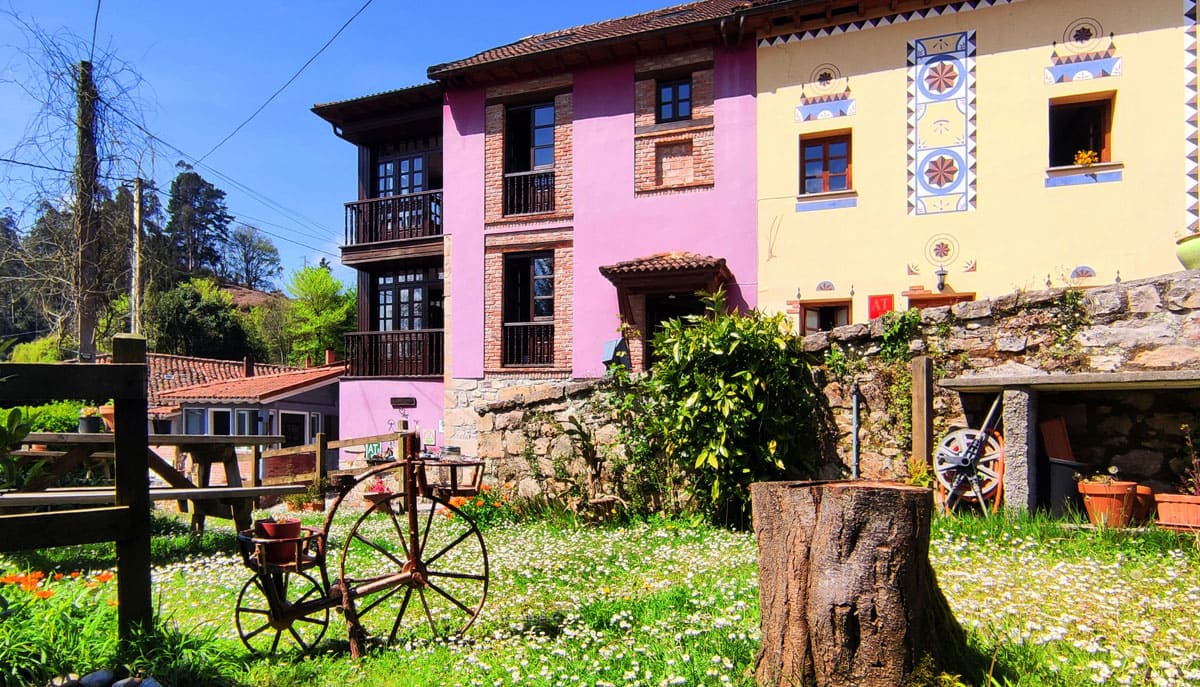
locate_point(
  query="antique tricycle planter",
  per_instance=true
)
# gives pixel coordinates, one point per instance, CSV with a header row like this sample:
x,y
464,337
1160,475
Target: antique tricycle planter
x,y
1108,504
411,566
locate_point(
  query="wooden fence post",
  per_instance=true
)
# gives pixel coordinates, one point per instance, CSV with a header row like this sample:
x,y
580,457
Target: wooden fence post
x,y
322,446
922,408
134,610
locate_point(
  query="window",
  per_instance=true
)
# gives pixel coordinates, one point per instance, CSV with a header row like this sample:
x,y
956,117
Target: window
x,y
314,426
825,164
408,299
193,421
528,313
1080,126
674,100
400,176
247,422
220,422
529,159
529,138
822,317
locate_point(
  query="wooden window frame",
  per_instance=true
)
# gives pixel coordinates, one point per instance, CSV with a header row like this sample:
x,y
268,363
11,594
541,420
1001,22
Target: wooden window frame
x,y
660,86
1063,106
846,303
406,279
534,127
825,140
510,260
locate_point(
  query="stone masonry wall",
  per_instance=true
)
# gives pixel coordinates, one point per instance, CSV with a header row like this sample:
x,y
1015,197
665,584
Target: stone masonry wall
x,y
1152,324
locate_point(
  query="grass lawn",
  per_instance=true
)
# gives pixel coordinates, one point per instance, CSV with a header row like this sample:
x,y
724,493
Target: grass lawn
x,y
660,603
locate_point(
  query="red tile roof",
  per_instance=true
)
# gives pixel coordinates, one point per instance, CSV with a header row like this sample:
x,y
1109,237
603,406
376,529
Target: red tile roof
x,y
692,13
257,389
665,262
169,372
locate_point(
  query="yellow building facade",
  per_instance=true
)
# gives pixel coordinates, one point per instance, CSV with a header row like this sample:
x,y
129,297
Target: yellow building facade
x,y
972,149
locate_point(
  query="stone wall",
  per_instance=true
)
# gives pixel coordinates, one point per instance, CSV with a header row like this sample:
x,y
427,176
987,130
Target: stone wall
x,y
1147,325
515,423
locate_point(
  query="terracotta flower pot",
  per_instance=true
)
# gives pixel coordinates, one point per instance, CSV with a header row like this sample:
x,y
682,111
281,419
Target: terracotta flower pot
x,y
1143,505
1108,505
379,500
288,530
1178,510
107,414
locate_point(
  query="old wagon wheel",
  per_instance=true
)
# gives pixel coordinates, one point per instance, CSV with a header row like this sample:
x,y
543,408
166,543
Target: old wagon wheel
x,y
436,590
263,631
970,467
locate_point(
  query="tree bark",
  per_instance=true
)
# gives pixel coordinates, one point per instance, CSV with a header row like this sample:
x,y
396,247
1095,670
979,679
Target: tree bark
x,y
847,594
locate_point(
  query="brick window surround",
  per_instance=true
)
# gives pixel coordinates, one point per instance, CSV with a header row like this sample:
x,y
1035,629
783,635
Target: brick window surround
x,y
500,99
675,153
499,247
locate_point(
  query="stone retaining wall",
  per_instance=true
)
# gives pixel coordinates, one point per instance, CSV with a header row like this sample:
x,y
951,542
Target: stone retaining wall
x,y
1151,324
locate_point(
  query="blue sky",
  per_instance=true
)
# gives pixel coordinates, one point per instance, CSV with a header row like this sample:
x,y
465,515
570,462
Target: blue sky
x,y
207,66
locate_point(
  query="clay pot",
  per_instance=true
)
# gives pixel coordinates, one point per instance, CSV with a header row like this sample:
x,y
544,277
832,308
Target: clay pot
x,y
107,413
288,530
1178,510
1108,505
1143,505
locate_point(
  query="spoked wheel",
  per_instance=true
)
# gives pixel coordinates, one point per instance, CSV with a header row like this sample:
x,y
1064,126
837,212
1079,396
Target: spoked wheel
x,y
263,633
970,467
398,592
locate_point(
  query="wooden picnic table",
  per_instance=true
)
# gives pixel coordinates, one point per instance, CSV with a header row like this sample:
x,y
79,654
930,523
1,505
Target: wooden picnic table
x,y
78,449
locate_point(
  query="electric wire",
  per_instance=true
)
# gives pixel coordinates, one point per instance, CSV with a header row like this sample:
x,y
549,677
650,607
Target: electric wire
x,y
95,25
286,84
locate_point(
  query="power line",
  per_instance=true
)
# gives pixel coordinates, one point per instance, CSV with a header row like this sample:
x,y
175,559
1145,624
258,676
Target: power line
x,y
288,83
59,169
95,25
292,214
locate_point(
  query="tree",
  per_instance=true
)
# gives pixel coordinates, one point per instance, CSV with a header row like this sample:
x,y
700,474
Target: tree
x,y
197,224
321,313
196,319
250,258
270,323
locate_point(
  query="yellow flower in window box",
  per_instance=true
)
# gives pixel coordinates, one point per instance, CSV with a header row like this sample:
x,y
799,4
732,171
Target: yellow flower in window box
x,y
1086,158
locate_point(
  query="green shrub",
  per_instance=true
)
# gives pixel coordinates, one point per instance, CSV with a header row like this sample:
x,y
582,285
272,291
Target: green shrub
x,y
731,401
44,350
59,416
488,508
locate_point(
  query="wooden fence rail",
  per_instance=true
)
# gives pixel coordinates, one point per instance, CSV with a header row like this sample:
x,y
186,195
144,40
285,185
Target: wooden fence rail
x,y
127,522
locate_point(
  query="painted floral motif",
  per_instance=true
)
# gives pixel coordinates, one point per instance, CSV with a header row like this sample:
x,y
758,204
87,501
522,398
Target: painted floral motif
x,y
941,171
941,77
1083,34
942,249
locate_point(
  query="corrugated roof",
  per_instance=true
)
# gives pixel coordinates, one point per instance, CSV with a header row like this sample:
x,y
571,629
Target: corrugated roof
x,y
664,262
258,388
622,27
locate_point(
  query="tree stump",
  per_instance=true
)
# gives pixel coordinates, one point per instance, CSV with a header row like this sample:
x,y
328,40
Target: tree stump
x,y
847,594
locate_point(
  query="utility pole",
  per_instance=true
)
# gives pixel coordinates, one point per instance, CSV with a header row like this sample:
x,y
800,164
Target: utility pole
x,y
87,169
135,284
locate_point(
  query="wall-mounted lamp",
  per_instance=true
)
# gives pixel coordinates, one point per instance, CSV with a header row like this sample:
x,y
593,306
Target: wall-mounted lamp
x,y
941,278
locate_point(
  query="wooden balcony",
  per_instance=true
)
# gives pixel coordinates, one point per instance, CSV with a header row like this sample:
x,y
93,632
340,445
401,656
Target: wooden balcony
x,y
395,218
527,344
416,353
527,193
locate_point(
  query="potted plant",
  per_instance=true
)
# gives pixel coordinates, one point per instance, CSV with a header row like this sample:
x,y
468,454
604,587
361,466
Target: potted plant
x,y
89,420
1182,510
1187,249
377,495
1109,501
284,528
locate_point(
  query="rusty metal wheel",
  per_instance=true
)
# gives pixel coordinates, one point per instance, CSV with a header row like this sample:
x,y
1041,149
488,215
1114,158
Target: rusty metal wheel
x,y
262,630
399,592
970,466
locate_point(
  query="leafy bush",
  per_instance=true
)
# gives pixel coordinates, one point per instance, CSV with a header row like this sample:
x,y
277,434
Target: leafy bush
x,y
731,401
44,350
59,416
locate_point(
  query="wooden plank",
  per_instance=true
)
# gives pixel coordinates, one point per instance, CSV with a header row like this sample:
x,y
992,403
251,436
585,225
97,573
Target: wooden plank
x,y
1082,381
65,528
289,451
306,477
922,408
214,439
135,611
87,497
39,382
363,441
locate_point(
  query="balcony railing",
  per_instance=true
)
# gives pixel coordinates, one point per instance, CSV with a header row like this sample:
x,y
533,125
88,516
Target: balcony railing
x,y
527,344
412,216
528,192
417,353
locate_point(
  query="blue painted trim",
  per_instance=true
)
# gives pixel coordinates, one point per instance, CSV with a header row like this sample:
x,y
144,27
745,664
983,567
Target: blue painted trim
x,y
1083,178
831,204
